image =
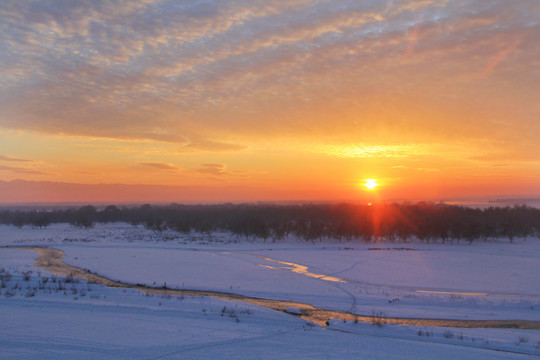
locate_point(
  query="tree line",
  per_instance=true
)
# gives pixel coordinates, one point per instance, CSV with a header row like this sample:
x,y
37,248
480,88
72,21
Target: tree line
x,y
427,222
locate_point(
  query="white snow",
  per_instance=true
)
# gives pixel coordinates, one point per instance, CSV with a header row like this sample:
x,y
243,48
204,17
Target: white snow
x,y
293,311
116,323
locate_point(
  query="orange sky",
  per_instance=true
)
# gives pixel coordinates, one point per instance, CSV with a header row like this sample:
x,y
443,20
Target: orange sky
x,y
284,100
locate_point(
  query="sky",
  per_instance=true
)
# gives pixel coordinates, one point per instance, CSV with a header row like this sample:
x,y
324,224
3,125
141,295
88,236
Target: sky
x,y
286,100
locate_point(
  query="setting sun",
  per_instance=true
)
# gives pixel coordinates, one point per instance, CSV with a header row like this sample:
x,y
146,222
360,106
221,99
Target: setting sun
x,y
371,184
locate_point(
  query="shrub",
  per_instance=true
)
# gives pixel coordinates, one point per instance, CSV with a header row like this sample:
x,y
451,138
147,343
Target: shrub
x,y
26,275
378,318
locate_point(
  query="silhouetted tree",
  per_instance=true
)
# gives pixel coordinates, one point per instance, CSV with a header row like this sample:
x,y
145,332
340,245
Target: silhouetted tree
x,y
311,222
84,217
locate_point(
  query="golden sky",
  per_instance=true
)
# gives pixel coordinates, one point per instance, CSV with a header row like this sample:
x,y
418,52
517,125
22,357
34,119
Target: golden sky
x,y
289,100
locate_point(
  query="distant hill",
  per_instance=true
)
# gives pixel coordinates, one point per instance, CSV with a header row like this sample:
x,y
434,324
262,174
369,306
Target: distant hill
x,y
29,193
35,192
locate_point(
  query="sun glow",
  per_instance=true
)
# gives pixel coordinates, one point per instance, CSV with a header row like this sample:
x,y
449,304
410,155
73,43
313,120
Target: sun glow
x,y
370,184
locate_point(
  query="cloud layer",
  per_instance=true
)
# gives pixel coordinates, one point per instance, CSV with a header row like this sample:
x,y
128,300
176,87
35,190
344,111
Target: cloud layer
x,y
211,74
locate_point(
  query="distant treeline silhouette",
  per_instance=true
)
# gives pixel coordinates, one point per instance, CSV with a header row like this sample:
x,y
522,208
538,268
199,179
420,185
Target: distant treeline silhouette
x,y
426,222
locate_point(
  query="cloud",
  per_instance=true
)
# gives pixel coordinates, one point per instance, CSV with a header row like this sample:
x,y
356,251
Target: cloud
x,y
377,151
217,170
12,158
194,72
21,170
160,166
214,146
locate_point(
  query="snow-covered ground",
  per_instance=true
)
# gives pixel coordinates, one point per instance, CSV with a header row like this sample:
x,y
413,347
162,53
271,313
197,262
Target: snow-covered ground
x,y
494,280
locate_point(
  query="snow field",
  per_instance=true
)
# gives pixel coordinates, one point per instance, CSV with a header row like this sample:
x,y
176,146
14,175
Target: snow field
x,y
123,323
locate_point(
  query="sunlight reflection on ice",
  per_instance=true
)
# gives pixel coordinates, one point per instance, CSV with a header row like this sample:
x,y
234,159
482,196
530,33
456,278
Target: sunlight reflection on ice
x,y
299,269
296,268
